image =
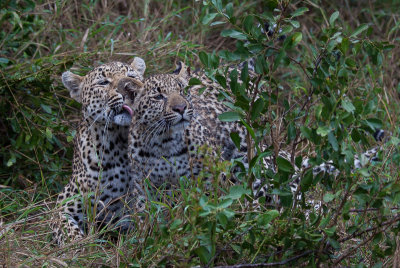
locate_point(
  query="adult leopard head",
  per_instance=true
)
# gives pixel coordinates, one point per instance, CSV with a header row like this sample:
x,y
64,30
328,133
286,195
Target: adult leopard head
x,y
107,93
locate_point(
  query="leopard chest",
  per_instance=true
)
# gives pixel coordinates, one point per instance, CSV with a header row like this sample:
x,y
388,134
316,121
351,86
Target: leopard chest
x,y
102,163
163,161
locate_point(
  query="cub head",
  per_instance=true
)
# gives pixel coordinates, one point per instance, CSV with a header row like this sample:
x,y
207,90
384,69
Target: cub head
x,y
163,108
107,93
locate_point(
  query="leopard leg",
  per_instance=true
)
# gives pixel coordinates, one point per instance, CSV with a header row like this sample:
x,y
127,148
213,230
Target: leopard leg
x,y
67,224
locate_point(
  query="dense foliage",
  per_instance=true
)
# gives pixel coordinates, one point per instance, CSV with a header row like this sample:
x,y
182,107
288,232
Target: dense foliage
x,y
325,81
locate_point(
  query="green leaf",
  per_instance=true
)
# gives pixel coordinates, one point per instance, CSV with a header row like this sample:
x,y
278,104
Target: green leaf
x,y
175,224
296,38
233,34
222,219
248,23
225,203
265,218
236,139
307,133
306,181
203,58
323,131
229,10
203,254
286,29
284,165
291,131
230,116
228,213
49,134
328,197
208,18
236,192
221,80
46,108
333,141
194,81
359,30
355,135
295,23
299,12
375,123
11,161
217,23
344,46
333,17
257,109
348,105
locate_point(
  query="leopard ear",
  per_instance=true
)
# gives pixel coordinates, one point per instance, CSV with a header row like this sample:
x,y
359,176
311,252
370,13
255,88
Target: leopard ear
x,y
183,72
139,65
72,83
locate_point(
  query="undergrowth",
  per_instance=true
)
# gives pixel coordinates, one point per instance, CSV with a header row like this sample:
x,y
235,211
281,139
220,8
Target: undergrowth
x,y
332,78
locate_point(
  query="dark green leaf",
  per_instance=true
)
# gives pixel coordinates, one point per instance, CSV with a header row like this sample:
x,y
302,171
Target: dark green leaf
x,y
375,123
265,218
344,46
229,10
248,23
203,254
236,139
284,165
307,133
221,80
222,219
307,180
233,34
203,58
229,116
257,109
291,131
194,81
333,141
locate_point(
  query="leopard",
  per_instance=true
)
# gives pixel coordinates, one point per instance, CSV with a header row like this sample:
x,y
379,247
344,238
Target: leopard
x,y
101,187
171,122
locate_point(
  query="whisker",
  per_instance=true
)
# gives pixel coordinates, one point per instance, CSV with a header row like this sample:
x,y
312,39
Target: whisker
x,y
105,132
153,129
94,112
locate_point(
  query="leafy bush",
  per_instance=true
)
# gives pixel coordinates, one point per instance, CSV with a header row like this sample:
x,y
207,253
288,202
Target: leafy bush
x,y
317,98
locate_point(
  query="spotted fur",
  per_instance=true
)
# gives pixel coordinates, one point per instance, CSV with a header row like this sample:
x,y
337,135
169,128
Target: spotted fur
x,y
101,186
169,126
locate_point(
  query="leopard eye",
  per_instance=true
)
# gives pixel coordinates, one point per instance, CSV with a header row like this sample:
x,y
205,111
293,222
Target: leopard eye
x,y
103,83
159,97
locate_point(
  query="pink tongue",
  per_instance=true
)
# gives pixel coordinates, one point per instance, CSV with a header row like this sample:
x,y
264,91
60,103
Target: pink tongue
x,y
128,109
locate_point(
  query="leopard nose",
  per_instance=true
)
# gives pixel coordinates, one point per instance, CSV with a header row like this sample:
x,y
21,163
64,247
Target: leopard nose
x,y
179,108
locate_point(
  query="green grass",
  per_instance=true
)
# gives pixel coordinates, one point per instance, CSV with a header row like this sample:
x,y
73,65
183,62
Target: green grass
x,y
40,40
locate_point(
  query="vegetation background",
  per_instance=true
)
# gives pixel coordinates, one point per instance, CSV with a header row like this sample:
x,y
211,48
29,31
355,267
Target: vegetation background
x,y
41,39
